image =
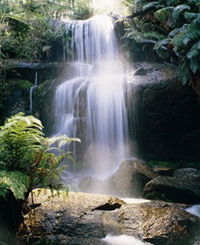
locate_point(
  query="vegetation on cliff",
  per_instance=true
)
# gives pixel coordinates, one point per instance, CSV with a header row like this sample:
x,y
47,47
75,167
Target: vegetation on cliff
x,y
172,28
28,29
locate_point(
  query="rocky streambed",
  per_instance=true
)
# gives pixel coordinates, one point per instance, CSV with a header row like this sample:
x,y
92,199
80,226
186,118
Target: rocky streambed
x,y
82,218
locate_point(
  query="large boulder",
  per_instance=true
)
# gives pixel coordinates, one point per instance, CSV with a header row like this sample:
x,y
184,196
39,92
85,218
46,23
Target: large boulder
x,y
80,218
183,186
130,179
157,222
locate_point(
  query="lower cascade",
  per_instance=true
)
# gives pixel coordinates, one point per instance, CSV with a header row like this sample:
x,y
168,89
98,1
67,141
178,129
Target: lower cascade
x,y
92,101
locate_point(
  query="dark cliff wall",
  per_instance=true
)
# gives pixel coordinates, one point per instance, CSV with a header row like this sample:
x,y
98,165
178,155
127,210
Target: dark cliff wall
x,y
164,117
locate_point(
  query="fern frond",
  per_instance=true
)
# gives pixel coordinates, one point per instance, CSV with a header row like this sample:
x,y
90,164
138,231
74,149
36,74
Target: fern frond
x,y
191,16
153,36
16,181
163,14
151,5
176,31
179,10
194,64
194,51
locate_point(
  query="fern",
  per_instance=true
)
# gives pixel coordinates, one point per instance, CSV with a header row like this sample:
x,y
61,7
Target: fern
x,y
194,51
15,181
179,10
176,31
184,73
164,13
152,5
194,64
191,16
161,48
24,150
153,36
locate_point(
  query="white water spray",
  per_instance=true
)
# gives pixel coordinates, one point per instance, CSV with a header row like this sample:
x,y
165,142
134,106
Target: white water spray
x,y
31,92
122,240
92,102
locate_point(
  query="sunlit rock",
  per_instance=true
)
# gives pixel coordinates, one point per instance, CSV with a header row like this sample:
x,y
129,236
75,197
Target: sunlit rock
x,y
88,218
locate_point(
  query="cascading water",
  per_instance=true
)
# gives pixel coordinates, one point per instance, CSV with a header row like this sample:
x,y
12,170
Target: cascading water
x,y
31,92
92,103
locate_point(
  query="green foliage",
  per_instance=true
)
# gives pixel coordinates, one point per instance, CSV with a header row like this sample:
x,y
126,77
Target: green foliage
x,y
178,11
25,152
15,181
81,9
176,23
164,15
27,29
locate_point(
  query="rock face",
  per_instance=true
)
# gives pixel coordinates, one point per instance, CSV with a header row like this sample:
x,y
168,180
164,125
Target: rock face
x,y
130,179
183,186
164,116
81,218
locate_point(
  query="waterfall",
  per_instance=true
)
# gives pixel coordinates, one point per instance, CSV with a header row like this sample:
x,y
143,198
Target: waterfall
x,y
91,105
31,92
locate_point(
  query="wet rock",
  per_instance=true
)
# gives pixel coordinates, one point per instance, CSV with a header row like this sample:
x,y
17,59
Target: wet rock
x,y
158,222
163,115
26,71
75,219
188,173
130,178
183,187
71,215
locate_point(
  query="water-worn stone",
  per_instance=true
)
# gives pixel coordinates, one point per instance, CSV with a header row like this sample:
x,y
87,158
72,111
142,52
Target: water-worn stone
x,y
130,178
183,187
76,219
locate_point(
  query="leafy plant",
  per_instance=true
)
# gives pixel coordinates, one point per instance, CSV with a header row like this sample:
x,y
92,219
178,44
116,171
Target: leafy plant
x,y
15,181
26,154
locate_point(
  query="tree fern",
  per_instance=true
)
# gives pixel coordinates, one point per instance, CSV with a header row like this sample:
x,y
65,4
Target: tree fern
x,y
179,10
194,51
164,13
191,16
24,149
153,36
152,5
194,63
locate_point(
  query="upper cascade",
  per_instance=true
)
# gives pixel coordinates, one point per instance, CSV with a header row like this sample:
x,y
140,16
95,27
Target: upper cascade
x,y
92,40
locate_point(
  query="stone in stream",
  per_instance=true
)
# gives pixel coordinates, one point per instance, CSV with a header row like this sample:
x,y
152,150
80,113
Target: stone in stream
x,y
81,218
130,178
183,187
